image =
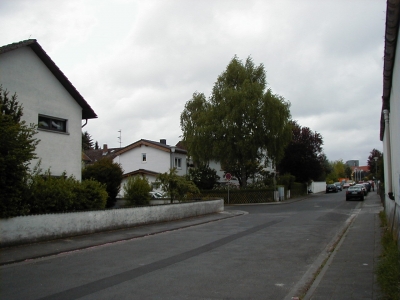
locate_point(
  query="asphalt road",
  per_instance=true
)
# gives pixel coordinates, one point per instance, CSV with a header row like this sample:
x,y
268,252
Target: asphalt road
x,y
271,252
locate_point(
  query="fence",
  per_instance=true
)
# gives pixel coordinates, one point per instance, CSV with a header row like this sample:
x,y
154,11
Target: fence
x,y
251,196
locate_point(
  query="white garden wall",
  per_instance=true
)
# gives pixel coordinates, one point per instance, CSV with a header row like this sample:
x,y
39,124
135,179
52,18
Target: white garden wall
x,y
28,229
317,187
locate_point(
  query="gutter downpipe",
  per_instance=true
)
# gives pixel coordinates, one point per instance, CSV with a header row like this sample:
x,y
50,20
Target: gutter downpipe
x,y
388,151
86,120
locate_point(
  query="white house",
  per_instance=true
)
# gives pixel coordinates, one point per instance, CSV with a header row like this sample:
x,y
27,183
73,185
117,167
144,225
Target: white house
x,y
390,114
149,158
49,100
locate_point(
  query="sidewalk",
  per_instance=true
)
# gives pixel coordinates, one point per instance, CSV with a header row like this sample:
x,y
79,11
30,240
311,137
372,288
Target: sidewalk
x,y
349,271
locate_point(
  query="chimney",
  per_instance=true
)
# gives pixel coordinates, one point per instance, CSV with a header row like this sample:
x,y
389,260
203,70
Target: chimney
x,y
105,149
163,141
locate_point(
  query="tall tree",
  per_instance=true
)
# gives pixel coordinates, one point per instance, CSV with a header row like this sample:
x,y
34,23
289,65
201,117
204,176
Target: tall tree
x,y
87,141
303,156
374,165
240,123
17,146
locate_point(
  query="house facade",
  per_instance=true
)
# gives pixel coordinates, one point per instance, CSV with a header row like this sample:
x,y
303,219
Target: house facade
x,y
50,101
390,115
150,158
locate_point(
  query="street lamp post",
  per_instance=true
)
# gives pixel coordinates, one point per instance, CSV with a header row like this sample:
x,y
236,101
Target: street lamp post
x,y
355,175
376,172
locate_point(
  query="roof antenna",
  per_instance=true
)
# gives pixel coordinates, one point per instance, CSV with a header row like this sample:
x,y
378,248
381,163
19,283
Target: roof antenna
x,y
120,138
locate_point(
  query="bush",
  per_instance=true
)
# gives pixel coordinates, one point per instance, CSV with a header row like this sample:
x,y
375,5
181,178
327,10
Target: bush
x,y
136,190
107,172
90,194
49,194
176,187
17,147
203,177
287,180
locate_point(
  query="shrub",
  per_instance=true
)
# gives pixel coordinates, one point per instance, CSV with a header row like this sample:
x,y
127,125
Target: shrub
x,y
49,194
90,194
176,187
17,146
136,190
287,180
107,172
203,177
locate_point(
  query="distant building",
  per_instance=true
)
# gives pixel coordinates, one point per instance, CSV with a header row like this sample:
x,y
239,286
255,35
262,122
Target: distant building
x,y
353,163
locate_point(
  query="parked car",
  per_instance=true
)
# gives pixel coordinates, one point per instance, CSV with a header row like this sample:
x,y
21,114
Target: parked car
x,y
346,185
338,186
156,195
355,192
331,188
367,186
363,188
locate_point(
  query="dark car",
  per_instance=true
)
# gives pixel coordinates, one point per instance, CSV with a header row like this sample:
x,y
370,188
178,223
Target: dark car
x,y
355,192
363,188
331,188
339,186
367,186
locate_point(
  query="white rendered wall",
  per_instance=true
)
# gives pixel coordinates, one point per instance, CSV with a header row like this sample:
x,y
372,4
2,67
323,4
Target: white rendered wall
x,y
156,160
22,230
39,92
395,125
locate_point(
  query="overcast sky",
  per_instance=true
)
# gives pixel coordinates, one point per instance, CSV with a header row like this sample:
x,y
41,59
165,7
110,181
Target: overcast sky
x,y
138,62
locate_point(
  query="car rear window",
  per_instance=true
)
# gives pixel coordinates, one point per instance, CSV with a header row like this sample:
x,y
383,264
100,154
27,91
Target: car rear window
x,y
354,188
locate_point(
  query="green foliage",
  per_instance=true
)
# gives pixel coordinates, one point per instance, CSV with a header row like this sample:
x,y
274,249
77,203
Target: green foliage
x,y
87,141
338,170
17,146
203,177
347,172
90,194
287,180
107,172
136,190
376,167
388,270
49,194
241,124
176,187
303,156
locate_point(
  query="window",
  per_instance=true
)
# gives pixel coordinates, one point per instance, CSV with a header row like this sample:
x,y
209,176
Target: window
x,y
144,158
177,163
53,124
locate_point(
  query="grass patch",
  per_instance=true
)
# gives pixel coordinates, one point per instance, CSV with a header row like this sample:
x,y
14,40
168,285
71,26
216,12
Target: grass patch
x,y
388,270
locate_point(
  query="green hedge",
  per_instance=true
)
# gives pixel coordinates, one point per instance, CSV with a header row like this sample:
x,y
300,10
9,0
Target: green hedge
x,y
47,194
247,196
241,196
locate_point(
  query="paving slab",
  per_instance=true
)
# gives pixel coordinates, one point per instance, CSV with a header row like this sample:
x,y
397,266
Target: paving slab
x,y
349,273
